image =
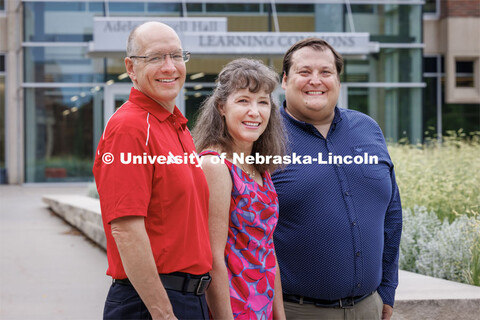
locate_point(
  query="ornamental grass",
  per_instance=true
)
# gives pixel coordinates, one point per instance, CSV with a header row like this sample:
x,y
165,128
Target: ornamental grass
x,y
439,186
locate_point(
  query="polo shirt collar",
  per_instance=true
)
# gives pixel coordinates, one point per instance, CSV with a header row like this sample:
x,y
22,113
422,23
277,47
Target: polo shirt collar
x,y
140,99
336,118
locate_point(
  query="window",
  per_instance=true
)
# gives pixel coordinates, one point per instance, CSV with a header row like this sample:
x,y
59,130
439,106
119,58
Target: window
x,y
393,23
2,119
2,63
2,5
464,74
126,7
232,7
431,9
363,8
60,22
291,8
430,64
64,6
164,7
59,133
61,64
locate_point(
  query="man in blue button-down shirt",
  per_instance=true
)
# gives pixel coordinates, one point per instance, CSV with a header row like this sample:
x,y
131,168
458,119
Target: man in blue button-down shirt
x,y
340,219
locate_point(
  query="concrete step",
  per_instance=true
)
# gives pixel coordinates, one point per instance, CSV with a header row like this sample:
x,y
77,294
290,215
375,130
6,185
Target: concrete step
x,y
424,297
81,212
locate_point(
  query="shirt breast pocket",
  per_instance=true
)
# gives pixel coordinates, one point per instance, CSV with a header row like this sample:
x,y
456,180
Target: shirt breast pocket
x,y
376,162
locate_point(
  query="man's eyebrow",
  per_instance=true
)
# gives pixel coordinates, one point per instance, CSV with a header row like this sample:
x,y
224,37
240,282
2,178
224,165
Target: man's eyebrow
x,y
163,52
323,67
303,66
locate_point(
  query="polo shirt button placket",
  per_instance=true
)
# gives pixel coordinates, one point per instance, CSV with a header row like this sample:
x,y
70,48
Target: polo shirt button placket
x,y
173,120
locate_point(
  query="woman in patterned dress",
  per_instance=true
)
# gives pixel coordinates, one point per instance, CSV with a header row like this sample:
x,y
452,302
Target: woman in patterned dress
x,y
238,120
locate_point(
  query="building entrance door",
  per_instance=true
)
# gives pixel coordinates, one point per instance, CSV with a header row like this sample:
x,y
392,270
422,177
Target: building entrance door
x,y
114,96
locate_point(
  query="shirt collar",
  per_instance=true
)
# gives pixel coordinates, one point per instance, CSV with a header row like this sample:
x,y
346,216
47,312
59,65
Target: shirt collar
x,y
336,118
140,99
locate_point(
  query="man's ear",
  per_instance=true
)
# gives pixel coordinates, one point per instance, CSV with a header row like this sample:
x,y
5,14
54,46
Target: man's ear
x,y
129,68
284,80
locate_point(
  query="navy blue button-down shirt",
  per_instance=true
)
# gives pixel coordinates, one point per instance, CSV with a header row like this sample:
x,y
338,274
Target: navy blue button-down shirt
x,y
339,227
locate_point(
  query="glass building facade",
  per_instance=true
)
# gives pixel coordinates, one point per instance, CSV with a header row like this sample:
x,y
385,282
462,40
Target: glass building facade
x,y
68,91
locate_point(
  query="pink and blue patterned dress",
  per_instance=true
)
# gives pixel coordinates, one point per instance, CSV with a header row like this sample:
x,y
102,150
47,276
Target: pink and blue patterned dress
x,y
249,252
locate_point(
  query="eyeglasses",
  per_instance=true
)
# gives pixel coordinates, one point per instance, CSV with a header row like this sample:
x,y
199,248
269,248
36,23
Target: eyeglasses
x,y
177,56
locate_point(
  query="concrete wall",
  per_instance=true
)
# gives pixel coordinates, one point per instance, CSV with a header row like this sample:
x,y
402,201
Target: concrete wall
x,y
456,38
11,43
431,37
462,42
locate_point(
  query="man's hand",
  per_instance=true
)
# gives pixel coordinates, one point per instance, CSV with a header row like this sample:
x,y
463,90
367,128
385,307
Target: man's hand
x,y
135,251
387,312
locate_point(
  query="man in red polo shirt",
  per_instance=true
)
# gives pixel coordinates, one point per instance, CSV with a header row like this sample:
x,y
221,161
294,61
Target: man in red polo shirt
x,y
154,202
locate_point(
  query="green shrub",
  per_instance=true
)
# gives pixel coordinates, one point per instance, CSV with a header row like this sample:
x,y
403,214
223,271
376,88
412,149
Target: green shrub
x,y
441,249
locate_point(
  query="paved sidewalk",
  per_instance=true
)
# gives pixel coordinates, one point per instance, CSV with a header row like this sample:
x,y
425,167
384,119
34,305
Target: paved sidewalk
x,y
48,270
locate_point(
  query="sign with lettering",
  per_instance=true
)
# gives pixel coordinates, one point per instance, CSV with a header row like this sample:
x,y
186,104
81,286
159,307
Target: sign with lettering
x,y
111,34
269,42
210,36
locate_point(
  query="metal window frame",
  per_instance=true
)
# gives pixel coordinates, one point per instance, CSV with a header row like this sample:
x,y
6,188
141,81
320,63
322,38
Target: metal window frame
x,y
42,85
30,44
383,45
389,85
439,76
435,15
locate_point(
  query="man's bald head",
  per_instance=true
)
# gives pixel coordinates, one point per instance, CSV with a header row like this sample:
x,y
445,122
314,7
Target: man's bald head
x,y
135,39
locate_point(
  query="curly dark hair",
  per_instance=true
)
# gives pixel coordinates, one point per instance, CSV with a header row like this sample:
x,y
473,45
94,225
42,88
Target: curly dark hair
x,y
210,130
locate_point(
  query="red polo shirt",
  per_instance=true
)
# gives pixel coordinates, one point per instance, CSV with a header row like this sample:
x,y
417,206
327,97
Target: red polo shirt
x,y
172,197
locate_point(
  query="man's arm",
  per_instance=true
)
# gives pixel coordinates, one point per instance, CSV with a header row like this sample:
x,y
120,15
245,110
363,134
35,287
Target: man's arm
x,y
137,258
392,234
